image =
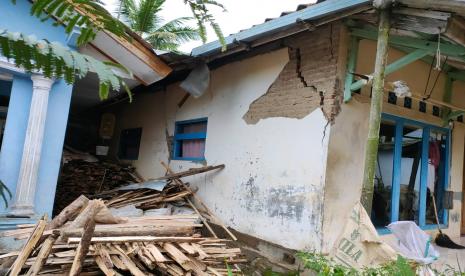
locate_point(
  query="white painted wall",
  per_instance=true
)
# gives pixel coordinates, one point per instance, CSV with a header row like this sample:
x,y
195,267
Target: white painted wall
x,y
272,186
344,172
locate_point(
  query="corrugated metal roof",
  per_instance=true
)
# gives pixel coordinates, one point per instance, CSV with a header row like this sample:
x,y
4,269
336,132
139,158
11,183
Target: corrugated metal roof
x,y
286,20
299,7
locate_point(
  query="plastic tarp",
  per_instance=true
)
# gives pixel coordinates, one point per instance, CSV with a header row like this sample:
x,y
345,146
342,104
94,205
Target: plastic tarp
x,y
414,244
197,81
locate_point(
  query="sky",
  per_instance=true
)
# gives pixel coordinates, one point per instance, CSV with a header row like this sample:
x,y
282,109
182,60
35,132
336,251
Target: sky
x,y
240,14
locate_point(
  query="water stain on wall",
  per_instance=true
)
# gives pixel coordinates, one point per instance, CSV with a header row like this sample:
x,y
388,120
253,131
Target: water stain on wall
x,y
282,202
286,202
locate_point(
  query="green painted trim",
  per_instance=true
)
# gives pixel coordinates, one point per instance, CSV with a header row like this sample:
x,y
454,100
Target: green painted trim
x,y
351,64
426,59
396,65
416,43
456,75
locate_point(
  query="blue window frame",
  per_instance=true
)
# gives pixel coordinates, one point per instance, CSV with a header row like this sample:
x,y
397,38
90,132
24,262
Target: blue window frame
x,y
413,164
190,139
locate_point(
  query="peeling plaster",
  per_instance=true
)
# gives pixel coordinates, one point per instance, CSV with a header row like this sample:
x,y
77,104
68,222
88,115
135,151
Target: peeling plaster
x,y
288,96
307,82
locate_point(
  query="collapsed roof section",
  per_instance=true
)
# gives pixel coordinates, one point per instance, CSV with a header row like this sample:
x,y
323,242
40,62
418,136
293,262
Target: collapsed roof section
x,y
131,51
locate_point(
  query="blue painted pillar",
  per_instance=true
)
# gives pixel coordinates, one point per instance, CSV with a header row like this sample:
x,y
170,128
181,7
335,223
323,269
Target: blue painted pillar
x,y
14,137
52,148
15,131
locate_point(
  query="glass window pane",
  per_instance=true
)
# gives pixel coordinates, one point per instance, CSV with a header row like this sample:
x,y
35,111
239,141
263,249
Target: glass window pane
x,y
436,176
410,173
193,127
381,210
193,148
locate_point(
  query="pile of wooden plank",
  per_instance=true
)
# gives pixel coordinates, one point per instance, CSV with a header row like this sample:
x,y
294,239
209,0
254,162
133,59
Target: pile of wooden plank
x,y
87,239
80,177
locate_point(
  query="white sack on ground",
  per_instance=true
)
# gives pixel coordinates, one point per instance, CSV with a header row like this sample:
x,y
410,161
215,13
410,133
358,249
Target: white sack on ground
x,y
413,243
359,245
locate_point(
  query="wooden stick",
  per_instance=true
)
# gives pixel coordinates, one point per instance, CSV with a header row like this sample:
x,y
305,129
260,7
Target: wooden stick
x,y
104,255
43,254
131,266
183,100
101,264
125,239
156,253
83,248
70,210
87,214
28,247
189,172
200,202
142,230
202,218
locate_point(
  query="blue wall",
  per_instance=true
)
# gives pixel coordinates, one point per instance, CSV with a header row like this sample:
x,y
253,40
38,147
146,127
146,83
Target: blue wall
x,y
15,131
17,18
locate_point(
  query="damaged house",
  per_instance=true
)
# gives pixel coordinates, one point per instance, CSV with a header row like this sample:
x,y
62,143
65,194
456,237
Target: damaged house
x,y
286,108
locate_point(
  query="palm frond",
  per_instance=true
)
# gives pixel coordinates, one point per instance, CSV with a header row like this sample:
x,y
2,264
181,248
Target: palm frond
x,y
180,29
87,15
57,61
146,17
127,9
3,193
201,13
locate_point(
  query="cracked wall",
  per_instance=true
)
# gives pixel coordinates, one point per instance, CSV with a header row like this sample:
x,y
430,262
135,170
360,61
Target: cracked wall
x,y
307,82
273,185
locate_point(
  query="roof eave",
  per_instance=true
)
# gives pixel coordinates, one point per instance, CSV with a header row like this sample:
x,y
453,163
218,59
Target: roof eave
x,y
312,12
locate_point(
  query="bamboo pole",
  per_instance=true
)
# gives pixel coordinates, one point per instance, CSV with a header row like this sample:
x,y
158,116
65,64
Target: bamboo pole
x,y
371,152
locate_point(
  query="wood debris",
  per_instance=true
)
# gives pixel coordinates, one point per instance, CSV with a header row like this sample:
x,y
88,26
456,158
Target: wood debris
x,y
81,177
76,242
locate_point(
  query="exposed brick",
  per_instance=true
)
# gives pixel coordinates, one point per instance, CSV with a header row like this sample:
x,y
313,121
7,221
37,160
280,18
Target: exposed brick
x,y
310,73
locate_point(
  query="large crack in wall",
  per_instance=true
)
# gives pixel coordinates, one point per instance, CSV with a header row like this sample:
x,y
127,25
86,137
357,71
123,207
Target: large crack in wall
x,y
307,82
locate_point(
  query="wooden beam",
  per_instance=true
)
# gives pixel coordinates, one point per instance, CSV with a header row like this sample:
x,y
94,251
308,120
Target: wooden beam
x,y
456,30
396,65
371,152
447,49
115,61
351,65
143,53
455,6
31,243
43,254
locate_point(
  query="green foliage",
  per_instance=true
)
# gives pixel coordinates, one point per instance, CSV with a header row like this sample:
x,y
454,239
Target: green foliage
x,y
201,12
3,192
143,17
89,16
270,272
324,266
57,61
